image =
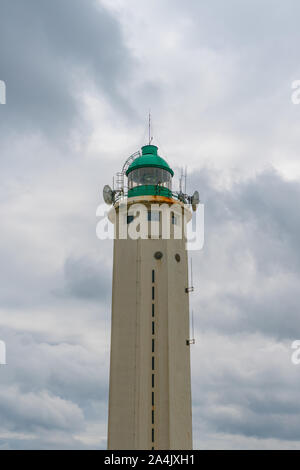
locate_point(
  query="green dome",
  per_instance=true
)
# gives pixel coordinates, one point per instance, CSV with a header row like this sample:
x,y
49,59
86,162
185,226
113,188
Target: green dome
x,y
149,158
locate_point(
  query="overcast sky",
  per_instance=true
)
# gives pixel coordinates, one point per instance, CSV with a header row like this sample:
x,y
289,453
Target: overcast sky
x,y
81,76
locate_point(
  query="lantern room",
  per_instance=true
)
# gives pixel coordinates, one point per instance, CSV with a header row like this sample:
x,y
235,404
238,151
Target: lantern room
x,y
149,174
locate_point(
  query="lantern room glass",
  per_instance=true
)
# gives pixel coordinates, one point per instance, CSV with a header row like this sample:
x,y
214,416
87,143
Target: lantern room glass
x,y
149,176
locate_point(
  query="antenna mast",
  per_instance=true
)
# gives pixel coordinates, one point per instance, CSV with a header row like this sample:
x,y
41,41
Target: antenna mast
x,y
190,288
150,137
193,330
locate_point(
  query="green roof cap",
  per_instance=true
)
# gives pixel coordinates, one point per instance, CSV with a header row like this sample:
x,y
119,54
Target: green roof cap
x,y
148,158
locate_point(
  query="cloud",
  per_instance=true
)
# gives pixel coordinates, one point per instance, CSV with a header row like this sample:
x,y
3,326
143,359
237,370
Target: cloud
x,y
249,269
246,309
49,52
38,410
50,392
87,279
81,76
245,386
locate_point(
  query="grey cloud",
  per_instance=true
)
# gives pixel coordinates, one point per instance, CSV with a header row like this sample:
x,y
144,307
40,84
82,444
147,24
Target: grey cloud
x,y
49,391
47,50
34,410
87,278
252,228
245,23
47,440
246,386
55,295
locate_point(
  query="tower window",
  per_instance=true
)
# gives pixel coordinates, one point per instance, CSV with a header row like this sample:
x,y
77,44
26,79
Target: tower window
x,y
152,310
154,216
152,398
152,380
152,362
152,416
152,292
153,327
153,275
130,219
149,176
158,255
152,435
153,345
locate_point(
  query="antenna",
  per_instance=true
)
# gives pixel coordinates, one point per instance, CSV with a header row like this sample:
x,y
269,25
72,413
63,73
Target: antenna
x,y
185,180
193,331
192,339
190,288
150,137
180,180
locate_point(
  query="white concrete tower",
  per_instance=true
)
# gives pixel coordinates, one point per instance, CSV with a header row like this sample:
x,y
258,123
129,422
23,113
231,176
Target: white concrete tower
x,y
150,379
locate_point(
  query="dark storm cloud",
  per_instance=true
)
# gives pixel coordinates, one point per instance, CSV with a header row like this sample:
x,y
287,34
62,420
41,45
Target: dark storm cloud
x,y
87,278
272,420
55,305
48,390
32,411
255,227
48,441
47,51
248,388
253,218
64,368
265,206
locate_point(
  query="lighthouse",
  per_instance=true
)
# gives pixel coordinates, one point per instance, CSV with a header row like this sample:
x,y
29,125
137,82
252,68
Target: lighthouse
x,y
150,374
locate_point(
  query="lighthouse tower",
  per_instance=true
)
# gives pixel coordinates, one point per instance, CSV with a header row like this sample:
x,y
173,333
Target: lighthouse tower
x,y
150,379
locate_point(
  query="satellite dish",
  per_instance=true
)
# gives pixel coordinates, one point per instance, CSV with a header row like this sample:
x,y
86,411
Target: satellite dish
x,y
108,194
195,200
